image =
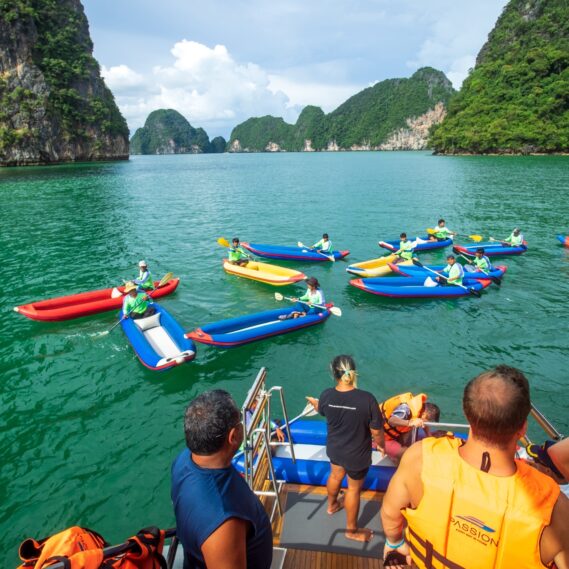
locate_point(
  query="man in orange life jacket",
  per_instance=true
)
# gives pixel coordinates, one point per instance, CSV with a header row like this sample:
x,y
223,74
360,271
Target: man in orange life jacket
x,y
474,505
400,415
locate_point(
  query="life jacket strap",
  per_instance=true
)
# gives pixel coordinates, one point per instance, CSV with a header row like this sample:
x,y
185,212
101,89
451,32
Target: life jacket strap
x,y
430,553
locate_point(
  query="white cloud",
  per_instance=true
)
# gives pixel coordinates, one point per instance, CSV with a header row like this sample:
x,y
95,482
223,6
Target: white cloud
x,y
121,77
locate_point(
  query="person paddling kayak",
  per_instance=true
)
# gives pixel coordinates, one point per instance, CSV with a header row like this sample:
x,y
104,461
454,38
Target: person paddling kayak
x,y
405,251
516,238
237,255
303,306
480,262
136,304
454,271
324,245
442,232
144,280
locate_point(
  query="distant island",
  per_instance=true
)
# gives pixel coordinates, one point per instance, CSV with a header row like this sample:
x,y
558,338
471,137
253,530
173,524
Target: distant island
x,y
395,114
54,105
166,131
516,100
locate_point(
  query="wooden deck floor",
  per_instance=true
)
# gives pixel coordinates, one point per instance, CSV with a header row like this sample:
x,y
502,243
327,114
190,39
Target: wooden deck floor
x,y
302,559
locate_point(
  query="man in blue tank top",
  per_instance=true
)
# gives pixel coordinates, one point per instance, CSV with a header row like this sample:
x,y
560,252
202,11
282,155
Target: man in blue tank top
x,y
219,520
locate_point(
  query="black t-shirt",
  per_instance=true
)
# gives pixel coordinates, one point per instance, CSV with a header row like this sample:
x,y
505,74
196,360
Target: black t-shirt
x,y
350,416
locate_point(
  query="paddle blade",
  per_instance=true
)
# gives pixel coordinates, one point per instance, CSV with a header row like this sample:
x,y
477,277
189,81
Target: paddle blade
x,y
223,242
431,231
416,262
309,411
497,281
300,244
336,311
115,293
331,258
474,292
476,238
279,296
165,279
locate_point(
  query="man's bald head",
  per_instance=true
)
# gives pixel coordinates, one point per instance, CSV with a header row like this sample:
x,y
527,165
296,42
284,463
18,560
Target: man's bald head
x,y
496,404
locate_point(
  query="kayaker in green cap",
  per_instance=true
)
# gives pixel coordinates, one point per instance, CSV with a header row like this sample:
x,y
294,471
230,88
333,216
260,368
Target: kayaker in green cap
x,y
405,251
324,245
144,280
480,262
442,232
237,255
454,271
136,304
515,239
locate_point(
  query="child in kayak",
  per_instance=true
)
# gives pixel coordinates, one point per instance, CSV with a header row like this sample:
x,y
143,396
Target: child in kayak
x,y
237,255
324,245
515,239
304,304
480,262
405,251
454,271
442,232
136,304
144,280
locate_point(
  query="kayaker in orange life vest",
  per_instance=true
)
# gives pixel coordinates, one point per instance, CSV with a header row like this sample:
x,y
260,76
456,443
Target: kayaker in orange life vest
x,y
474,505
400,415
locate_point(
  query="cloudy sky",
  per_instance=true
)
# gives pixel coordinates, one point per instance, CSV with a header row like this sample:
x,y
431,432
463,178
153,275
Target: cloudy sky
x,y
219,62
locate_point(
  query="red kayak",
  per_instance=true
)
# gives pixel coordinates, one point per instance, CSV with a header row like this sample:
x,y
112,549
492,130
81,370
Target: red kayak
x,y
85,303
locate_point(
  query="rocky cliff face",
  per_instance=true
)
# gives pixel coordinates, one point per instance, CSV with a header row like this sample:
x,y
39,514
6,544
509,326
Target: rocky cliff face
x,y
54,105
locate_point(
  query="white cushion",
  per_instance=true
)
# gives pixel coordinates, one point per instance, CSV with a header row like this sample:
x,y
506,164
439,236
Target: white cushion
x,y
148,322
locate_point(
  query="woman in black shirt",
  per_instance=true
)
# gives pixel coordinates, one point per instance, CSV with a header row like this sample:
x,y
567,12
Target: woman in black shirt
x,y
352,417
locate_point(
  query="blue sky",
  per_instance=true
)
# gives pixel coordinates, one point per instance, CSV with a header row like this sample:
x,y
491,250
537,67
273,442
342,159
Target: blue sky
x,y
220,62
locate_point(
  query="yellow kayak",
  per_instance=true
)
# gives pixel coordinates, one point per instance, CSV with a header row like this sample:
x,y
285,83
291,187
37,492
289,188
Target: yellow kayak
x,y
376,267
265,273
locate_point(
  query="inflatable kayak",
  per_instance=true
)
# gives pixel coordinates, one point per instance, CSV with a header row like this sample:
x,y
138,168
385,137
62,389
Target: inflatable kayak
x,y
158,340
265,273
312,465
421,244
244,329
414,287
491,249
564,239
85,303
291,253
376,267
413,271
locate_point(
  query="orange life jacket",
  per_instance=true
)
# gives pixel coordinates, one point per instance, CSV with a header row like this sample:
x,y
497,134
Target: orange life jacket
x,y
81,548
469,519
415,403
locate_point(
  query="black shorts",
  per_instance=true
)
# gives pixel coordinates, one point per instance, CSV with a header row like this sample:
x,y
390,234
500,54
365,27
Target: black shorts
x,y
353,474
148,312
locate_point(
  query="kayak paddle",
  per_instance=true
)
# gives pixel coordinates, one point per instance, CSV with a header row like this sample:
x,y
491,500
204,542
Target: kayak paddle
x,y
495,280
116,293
329,257
335,310
476,238
470,290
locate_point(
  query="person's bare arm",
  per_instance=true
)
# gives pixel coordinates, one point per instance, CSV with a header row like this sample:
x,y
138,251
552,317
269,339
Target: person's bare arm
x,y
379,439
313,401
226,548
559,454
554,543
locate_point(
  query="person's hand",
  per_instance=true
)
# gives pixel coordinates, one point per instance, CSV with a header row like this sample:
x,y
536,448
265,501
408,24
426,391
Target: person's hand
x,y
404,555
294,299
280,435
416,422
313,401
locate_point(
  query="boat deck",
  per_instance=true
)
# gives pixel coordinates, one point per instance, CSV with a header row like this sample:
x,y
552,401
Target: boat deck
x,y
305,559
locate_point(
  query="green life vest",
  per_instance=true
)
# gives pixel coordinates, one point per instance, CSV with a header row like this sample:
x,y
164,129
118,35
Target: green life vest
x,y
455,271
442,233
481,264
147,284
138,304
320,246
236,254
405,250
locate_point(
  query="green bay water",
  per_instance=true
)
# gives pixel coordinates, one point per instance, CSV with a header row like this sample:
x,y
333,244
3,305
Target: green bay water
x,y
88,434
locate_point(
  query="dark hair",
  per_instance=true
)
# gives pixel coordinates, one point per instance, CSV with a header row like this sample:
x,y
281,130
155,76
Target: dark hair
x,y
208,420
343,369
325,236
313,281
451,257
403,235
431,412
441,221
496,404
480,250
235,239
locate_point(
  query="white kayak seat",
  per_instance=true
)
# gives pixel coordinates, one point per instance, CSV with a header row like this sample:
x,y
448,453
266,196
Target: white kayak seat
x,y
148,322
429,282
470,269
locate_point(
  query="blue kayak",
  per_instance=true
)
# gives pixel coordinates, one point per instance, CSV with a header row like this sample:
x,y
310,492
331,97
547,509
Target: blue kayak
x,y
423,244
414,271
244,329
491,249
414,287
291,253
564,239
158,340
